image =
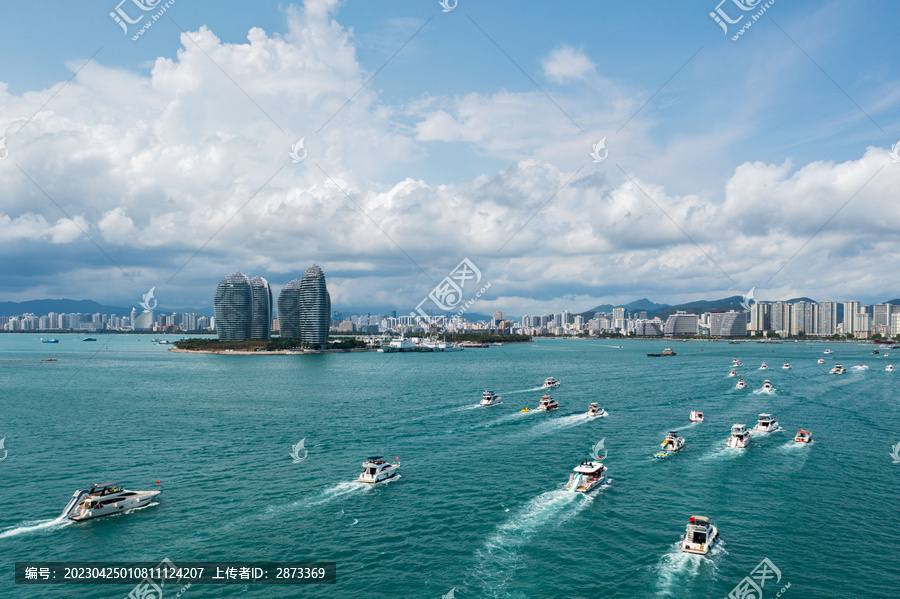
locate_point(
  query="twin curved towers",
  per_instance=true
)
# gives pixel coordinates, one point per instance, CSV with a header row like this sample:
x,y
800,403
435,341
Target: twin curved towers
x,y
244,308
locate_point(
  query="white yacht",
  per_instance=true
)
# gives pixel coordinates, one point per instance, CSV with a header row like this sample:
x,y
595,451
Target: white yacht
x,y
398,345
587,476
740,437
434,345
547,404
550,383
733,372
767,386
105,500
673,442
490,399
820,361
763,366
700,536
736,363
889,368
827,351
787,366
376,470
696,416
767,423
838,369
741,384
596,411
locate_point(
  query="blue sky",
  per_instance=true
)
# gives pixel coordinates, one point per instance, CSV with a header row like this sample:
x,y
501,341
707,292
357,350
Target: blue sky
x,y
748,150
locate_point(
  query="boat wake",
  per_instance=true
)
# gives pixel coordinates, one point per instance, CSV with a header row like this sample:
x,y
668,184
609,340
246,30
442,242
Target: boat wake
x,y
764,392
860,368
36,526
500,557
560,423
676,568
523,391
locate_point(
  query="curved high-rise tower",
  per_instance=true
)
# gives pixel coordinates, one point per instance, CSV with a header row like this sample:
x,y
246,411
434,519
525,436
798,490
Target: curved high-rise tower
x,y
234,306
261,314
289,310
315,307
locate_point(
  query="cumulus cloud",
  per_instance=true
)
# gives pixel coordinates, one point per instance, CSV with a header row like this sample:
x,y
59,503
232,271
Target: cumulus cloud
x,y
157,167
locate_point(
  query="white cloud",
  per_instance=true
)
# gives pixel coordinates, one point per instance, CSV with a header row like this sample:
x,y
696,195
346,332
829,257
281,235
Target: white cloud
x,y
566,64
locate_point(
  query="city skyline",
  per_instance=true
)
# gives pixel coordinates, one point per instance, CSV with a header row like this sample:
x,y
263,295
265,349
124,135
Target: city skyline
x,y
477,157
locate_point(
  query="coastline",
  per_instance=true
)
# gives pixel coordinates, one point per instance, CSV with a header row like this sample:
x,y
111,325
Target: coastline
x,y
281,352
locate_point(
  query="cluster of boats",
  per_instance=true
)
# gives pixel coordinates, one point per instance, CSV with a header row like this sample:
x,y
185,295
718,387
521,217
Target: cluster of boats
x,y
547,403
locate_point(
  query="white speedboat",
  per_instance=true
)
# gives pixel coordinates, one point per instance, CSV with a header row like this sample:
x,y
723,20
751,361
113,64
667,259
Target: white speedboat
x,y
763,366
105,500
700,536
672,442
587,476
696,416
594,410
547,404
740,437
736,363
803,436
767,386
551,383
741,384
787,366
820,361
838,369
490,399
733,372
827,351
889,368
376,470
767,423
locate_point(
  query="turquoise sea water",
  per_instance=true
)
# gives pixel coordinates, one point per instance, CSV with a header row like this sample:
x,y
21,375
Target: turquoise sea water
x,y
480,506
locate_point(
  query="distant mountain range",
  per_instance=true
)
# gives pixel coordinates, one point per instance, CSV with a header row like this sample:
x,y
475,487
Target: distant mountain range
x,y
68,306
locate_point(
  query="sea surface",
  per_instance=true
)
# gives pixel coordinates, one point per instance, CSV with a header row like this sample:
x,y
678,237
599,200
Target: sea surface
x,y
480,508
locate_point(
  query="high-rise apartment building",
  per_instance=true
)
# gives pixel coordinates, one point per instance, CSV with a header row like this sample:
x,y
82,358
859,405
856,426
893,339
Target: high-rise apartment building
x,y
234,305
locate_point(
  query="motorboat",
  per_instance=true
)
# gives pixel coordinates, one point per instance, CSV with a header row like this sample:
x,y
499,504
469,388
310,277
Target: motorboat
x,y
547,404
787,366
803,436
104,500
889,368
594,410
586,476
838,369
376,470
88,339
666,352
490,399
672,442
551,383
740,437
763,366
767,424
733,372
696,416
51,340
736,363
741,384
875,351
700,536
820,361
767,386
827,352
